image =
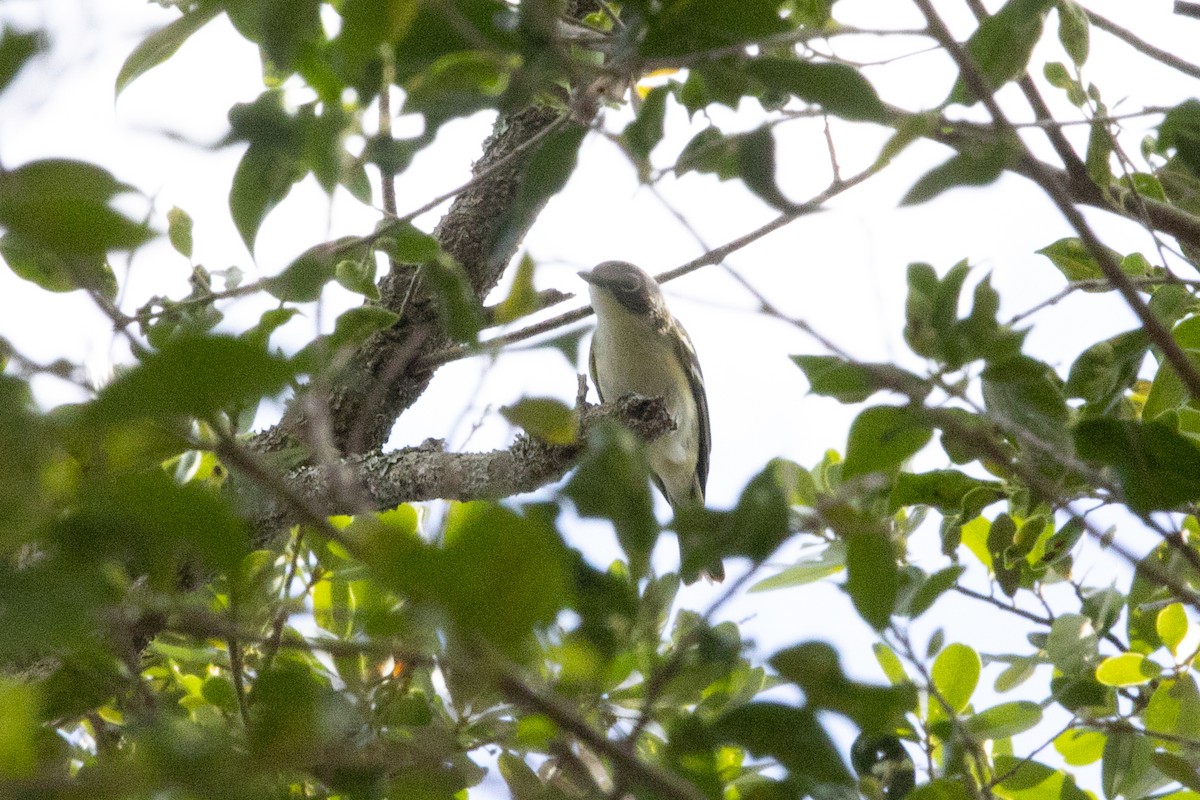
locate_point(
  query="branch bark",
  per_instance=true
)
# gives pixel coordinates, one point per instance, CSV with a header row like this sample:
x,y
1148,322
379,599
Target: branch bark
x,y
385,376
379,481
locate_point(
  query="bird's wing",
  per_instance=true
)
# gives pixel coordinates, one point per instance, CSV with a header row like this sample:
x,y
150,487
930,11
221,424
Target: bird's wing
x,y
687,355
592,370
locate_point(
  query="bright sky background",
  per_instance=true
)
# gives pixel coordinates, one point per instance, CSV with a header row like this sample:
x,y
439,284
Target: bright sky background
x,y
842,270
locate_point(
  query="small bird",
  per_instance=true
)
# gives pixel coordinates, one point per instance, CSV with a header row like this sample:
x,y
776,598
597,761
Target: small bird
x,y
640,348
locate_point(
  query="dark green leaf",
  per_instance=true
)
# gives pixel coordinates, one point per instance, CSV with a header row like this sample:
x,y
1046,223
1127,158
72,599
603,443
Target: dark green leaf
x,y
815,668
545,173
1177,769
646,131
792,736
933,587
671,30
16,49
872,578
945,490
1157,467
1005,720
54,272
1126,764
975,166
756,165
264,177
1180,131
354,325
839,89
852,382
63,206
711,153
303,279
193,377
1002,44
611,482
882,438
162,44
1106,369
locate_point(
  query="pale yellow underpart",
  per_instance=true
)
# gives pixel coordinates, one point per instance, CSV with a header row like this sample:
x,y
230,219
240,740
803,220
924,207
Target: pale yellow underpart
x,y
633,358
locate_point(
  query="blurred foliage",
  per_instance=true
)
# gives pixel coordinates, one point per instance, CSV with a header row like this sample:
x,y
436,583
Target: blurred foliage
x,y
157,645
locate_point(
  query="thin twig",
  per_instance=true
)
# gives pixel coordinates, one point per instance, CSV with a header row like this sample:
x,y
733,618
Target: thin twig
x,y
1142,46
714,256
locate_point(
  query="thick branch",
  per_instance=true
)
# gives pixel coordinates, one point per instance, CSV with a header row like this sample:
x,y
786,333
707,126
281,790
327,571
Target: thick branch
x,y
380,481
385,376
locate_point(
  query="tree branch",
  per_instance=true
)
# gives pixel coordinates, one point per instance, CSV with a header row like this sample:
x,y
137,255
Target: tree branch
x,y
1144,47
385,480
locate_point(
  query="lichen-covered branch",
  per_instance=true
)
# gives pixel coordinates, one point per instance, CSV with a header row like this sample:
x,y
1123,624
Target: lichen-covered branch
x,y
380,481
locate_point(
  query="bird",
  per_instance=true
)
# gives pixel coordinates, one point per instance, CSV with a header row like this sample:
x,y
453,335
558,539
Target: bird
x,y
640,348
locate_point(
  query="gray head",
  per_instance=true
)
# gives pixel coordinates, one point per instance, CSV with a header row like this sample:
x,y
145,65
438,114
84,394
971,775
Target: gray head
x,y
629,285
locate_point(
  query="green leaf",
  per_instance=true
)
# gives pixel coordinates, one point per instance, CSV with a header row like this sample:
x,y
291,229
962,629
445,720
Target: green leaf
x,y
670,30
544,418
302,280
611,482
1072,643
1005,720
543,175
1075,261
1002,44
932,588
955,674
1102,373
1024,779
1015,674
872,578
1172,625
16,48
940,789
1127,669
64,206
1073,30
192,377
646,131
357,275
882,438
500,576
355,325
889,662
1174,709
792,736
1080,747
53,272
1180,131
945,489
830,561
366,24
1125,766
162,44
977,165
839,89
19,733
522,297
851,382
815,668
1157,467
179,231
756,165
1177,769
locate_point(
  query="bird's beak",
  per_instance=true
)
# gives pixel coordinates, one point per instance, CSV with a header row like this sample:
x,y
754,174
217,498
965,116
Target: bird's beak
x,y
587,275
